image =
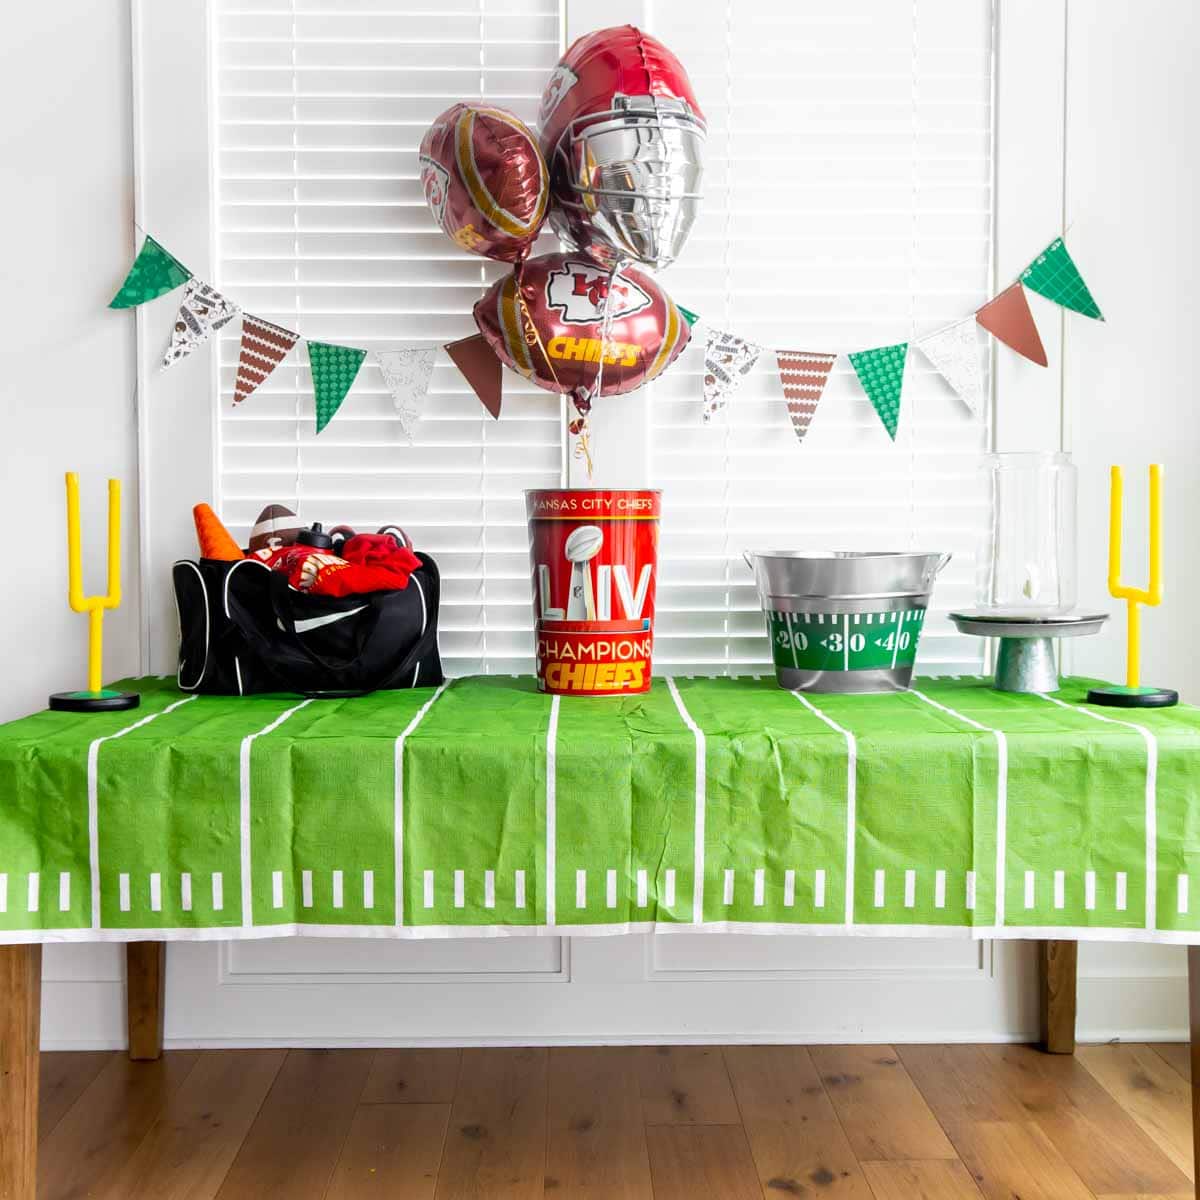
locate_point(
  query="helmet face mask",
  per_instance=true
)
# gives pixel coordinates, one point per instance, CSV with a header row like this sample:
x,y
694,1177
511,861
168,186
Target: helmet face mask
x,y
624,141
632,176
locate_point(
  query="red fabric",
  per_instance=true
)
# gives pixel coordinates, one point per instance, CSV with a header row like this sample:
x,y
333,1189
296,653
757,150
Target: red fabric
x,y
380,548
307,568
370,562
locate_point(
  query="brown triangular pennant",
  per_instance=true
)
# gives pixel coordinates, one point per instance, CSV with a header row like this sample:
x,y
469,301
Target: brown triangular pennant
x,y
803,375
1009,319
263,348
480,368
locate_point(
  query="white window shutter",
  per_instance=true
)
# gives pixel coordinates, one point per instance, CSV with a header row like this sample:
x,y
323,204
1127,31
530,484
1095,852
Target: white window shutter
x,y
322,227
847,205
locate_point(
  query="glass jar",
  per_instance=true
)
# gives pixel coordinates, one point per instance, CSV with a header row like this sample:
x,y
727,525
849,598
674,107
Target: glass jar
x,y
1027,567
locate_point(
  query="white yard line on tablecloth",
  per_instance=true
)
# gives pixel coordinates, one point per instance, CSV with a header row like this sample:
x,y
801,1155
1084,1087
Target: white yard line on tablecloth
x,y
552,813
1001,795
701,800
1151,800
93,760
244,796
398,802
851,797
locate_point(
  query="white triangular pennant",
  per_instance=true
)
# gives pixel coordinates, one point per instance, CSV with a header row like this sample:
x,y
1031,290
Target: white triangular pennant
x,y
407,373
954,352
203,310
728,359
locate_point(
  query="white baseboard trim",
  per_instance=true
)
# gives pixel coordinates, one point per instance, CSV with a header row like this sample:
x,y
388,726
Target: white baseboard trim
x,y
981,1037
780,1039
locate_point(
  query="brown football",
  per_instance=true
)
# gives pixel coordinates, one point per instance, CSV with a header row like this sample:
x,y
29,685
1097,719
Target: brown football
x,y
276,526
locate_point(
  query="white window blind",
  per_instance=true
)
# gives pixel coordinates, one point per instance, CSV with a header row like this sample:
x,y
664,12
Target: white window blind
x,y
322,228
847,205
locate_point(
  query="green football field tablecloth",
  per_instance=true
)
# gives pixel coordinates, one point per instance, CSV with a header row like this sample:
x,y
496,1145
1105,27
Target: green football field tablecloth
x,y
484,807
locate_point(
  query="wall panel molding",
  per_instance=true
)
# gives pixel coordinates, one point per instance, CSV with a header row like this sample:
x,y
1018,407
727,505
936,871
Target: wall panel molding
x,y
349,963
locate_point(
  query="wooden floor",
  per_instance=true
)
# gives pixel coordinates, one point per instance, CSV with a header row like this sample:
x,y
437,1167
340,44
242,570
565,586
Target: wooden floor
x,y
673,1123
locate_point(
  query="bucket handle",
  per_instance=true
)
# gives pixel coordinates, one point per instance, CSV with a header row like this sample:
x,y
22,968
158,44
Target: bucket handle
x,y
941,565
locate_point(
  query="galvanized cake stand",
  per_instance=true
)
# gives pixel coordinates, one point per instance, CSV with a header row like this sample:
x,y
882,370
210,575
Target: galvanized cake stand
x,y
1025,662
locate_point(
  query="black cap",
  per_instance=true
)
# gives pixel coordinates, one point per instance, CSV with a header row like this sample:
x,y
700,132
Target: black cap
x,y
315,537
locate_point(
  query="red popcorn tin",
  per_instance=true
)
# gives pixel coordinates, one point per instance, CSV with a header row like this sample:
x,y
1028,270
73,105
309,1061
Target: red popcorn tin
x,y
594,554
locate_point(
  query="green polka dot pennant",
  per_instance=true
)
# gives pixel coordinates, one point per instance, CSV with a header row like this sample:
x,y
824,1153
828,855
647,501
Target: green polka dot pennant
x,y
333,371
1053,274
154,273
881,373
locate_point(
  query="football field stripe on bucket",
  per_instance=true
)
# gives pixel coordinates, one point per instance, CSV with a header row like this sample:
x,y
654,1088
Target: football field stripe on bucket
x,y
844,622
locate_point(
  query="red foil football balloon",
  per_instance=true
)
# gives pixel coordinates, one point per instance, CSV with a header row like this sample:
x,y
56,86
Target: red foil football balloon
x,y
548,325
485,180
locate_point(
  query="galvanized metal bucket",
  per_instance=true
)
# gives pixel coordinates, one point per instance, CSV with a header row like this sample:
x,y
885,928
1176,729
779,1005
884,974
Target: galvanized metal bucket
x,y
843,621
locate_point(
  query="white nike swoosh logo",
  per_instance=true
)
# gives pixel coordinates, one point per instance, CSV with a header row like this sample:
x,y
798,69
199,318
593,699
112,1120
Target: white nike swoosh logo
x,y
316,622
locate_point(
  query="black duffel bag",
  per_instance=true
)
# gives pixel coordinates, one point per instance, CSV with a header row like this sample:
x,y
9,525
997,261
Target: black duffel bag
x,y
243,629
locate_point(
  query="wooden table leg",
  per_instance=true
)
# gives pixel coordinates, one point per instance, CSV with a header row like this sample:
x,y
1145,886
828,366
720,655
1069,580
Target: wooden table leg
x,y
1057,962
1193,954
20,1031
145,994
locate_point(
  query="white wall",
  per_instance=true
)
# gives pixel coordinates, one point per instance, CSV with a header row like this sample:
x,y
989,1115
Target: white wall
x,y
66,381
1131,391
67,384
1132,183
66,361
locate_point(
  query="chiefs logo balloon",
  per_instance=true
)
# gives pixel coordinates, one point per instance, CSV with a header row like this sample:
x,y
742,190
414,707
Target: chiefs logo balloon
x,y
485,180
580,290
546,320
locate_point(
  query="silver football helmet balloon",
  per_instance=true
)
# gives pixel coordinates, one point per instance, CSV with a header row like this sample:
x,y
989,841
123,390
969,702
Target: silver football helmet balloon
x,y
627,181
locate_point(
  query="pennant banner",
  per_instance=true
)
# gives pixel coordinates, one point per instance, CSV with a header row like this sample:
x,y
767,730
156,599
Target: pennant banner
x,y
407,373
333,371
728,359
154,273
480,368
954,353
803,376
881,373
1053,274
203,310
1008,318
263,348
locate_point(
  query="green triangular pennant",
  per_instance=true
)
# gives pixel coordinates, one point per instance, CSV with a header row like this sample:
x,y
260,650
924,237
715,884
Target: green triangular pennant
x,y
333,371
881,373
690,317
154,273
1053,274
